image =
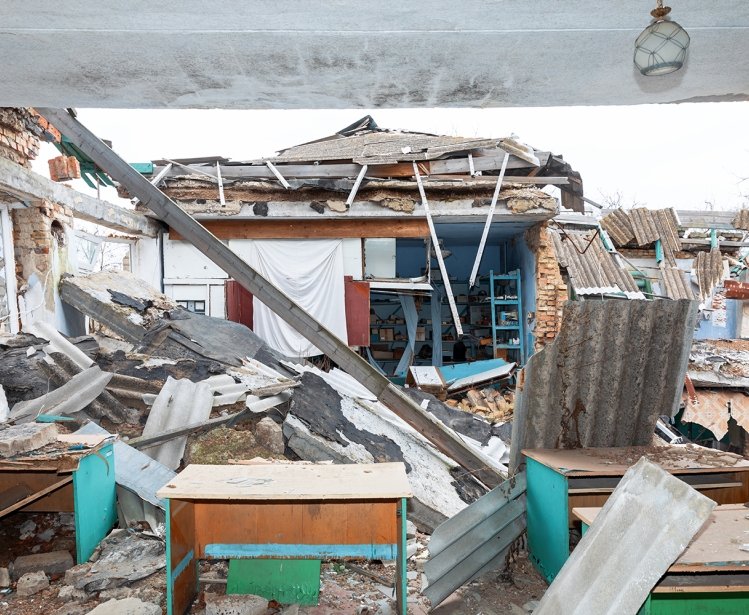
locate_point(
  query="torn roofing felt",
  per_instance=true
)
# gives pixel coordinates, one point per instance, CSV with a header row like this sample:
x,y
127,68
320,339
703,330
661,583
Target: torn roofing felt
x,y
614,367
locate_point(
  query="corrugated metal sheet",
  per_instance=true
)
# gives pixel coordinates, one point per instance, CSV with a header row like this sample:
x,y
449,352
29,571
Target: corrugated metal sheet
x,y
614,367
709,268
676,284
476,540
589,264
741,221
618,226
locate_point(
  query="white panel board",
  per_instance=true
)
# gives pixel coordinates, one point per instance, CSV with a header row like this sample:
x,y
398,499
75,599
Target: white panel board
x,y
184,261
379,257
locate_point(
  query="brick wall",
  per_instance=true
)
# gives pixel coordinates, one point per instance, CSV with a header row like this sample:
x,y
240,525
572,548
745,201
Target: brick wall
x,y
19,135
551,290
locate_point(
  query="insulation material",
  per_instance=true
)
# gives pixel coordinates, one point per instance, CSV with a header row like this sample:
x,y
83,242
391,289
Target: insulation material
x,y
310,273
713,408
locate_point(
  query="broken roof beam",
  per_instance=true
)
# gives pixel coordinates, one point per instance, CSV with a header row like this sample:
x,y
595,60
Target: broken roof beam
x,y
448,166
444,439
29,186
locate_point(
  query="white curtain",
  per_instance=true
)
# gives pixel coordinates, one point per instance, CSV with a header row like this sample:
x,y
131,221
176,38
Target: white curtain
x,y
310,273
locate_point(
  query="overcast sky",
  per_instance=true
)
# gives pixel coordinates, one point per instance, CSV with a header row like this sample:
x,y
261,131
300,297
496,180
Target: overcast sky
x,y
681,156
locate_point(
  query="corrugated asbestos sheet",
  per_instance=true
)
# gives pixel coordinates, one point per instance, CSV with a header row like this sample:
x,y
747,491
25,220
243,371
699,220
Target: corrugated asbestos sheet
x,y
709,268
590,265
476,540
675,284
614,367
741,221
644,227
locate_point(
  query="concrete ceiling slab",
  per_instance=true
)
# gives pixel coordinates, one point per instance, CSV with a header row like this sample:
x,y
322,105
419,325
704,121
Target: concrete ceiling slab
x,y
262,54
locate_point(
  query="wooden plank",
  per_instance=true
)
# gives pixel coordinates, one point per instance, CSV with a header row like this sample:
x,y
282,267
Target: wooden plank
x,y
26,185
290,482
37,479
35,496
327,228
294,523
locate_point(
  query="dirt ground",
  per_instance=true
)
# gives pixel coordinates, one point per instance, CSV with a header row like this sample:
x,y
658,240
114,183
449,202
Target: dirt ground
x,y
343,590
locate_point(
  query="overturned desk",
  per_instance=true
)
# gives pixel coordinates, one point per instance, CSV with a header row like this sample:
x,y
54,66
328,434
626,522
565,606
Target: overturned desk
x,y
292,511
711,576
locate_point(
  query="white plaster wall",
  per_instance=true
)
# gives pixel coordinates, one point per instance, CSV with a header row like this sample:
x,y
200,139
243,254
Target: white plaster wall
x,y
145,259
183,261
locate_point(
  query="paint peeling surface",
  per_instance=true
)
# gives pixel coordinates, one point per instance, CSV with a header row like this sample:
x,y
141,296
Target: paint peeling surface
x,y
612,370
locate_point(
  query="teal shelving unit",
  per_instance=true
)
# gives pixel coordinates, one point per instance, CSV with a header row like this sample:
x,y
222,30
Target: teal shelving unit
x,y
502,307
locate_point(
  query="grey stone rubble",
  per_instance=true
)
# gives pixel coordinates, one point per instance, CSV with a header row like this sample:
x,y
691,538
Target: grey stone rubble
x,y
32,583
53,562
126,606
23,438
235,604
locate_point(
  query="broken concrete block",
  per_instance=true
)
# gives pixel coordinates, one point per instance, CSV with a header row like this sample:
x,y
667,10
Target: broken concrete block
x,y
235,604
54,562
644,526
128,606
4,577
32,583
124,558
69,593
269,435
28,437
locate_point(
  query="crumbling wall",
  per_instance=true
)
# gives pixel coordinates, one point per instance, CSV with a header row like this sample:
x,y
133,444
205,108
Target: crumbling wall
x,y
42,238
19,135
551,290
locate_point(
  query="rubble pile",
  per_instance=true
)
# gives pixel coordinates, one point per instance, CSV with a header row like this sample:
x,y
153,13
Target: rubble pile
x,y
493,405
168,388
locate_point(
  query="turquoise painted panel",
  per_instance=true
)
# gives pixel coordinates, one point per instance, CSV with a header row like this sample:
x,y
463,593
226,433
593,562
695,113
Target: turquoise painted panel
x,y
287,581
718,603
169,571
464,370
548,518
94,498
238,551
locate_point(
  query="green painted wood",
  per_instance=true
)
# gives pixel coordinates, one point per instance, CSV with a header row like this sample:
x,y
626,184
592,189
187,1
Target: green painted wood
x,y
548,518
94,499
144,168
717,603
287,581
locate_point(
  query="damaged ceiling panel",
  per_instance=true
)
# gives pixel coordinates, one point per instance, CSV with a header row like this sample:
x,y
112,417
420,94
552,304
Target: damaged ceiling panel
x,y
591,268
614,367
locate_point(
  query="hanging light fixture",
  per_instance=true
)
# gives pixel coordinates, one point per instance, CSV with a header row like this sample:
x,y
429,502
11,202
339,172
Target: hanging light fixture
x,y
662,47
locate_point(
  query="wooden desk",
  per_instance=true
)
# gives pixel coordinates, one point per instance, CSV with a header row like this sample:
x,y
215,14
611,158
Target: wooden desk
x,y
712,573
559,480
283,511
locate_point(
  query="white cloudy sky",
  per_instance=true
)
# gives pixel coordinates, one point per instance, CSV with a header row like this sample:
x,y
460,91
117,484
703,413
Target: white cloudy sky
x,y
681,156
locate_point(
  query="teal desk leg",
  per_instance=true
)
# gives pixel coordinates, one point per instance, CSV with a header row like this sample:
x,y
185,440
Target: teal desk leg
x,y
401,569
94,501
548,518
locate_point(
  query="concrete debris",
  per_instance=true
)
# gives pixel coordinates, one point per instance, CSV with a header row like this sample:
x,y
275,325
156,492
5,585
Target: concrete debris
x,y
643,527
4,408
127,606
324,425
52,563
235,604
269,435
71,594
123,557
28,437
4,577
32,583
